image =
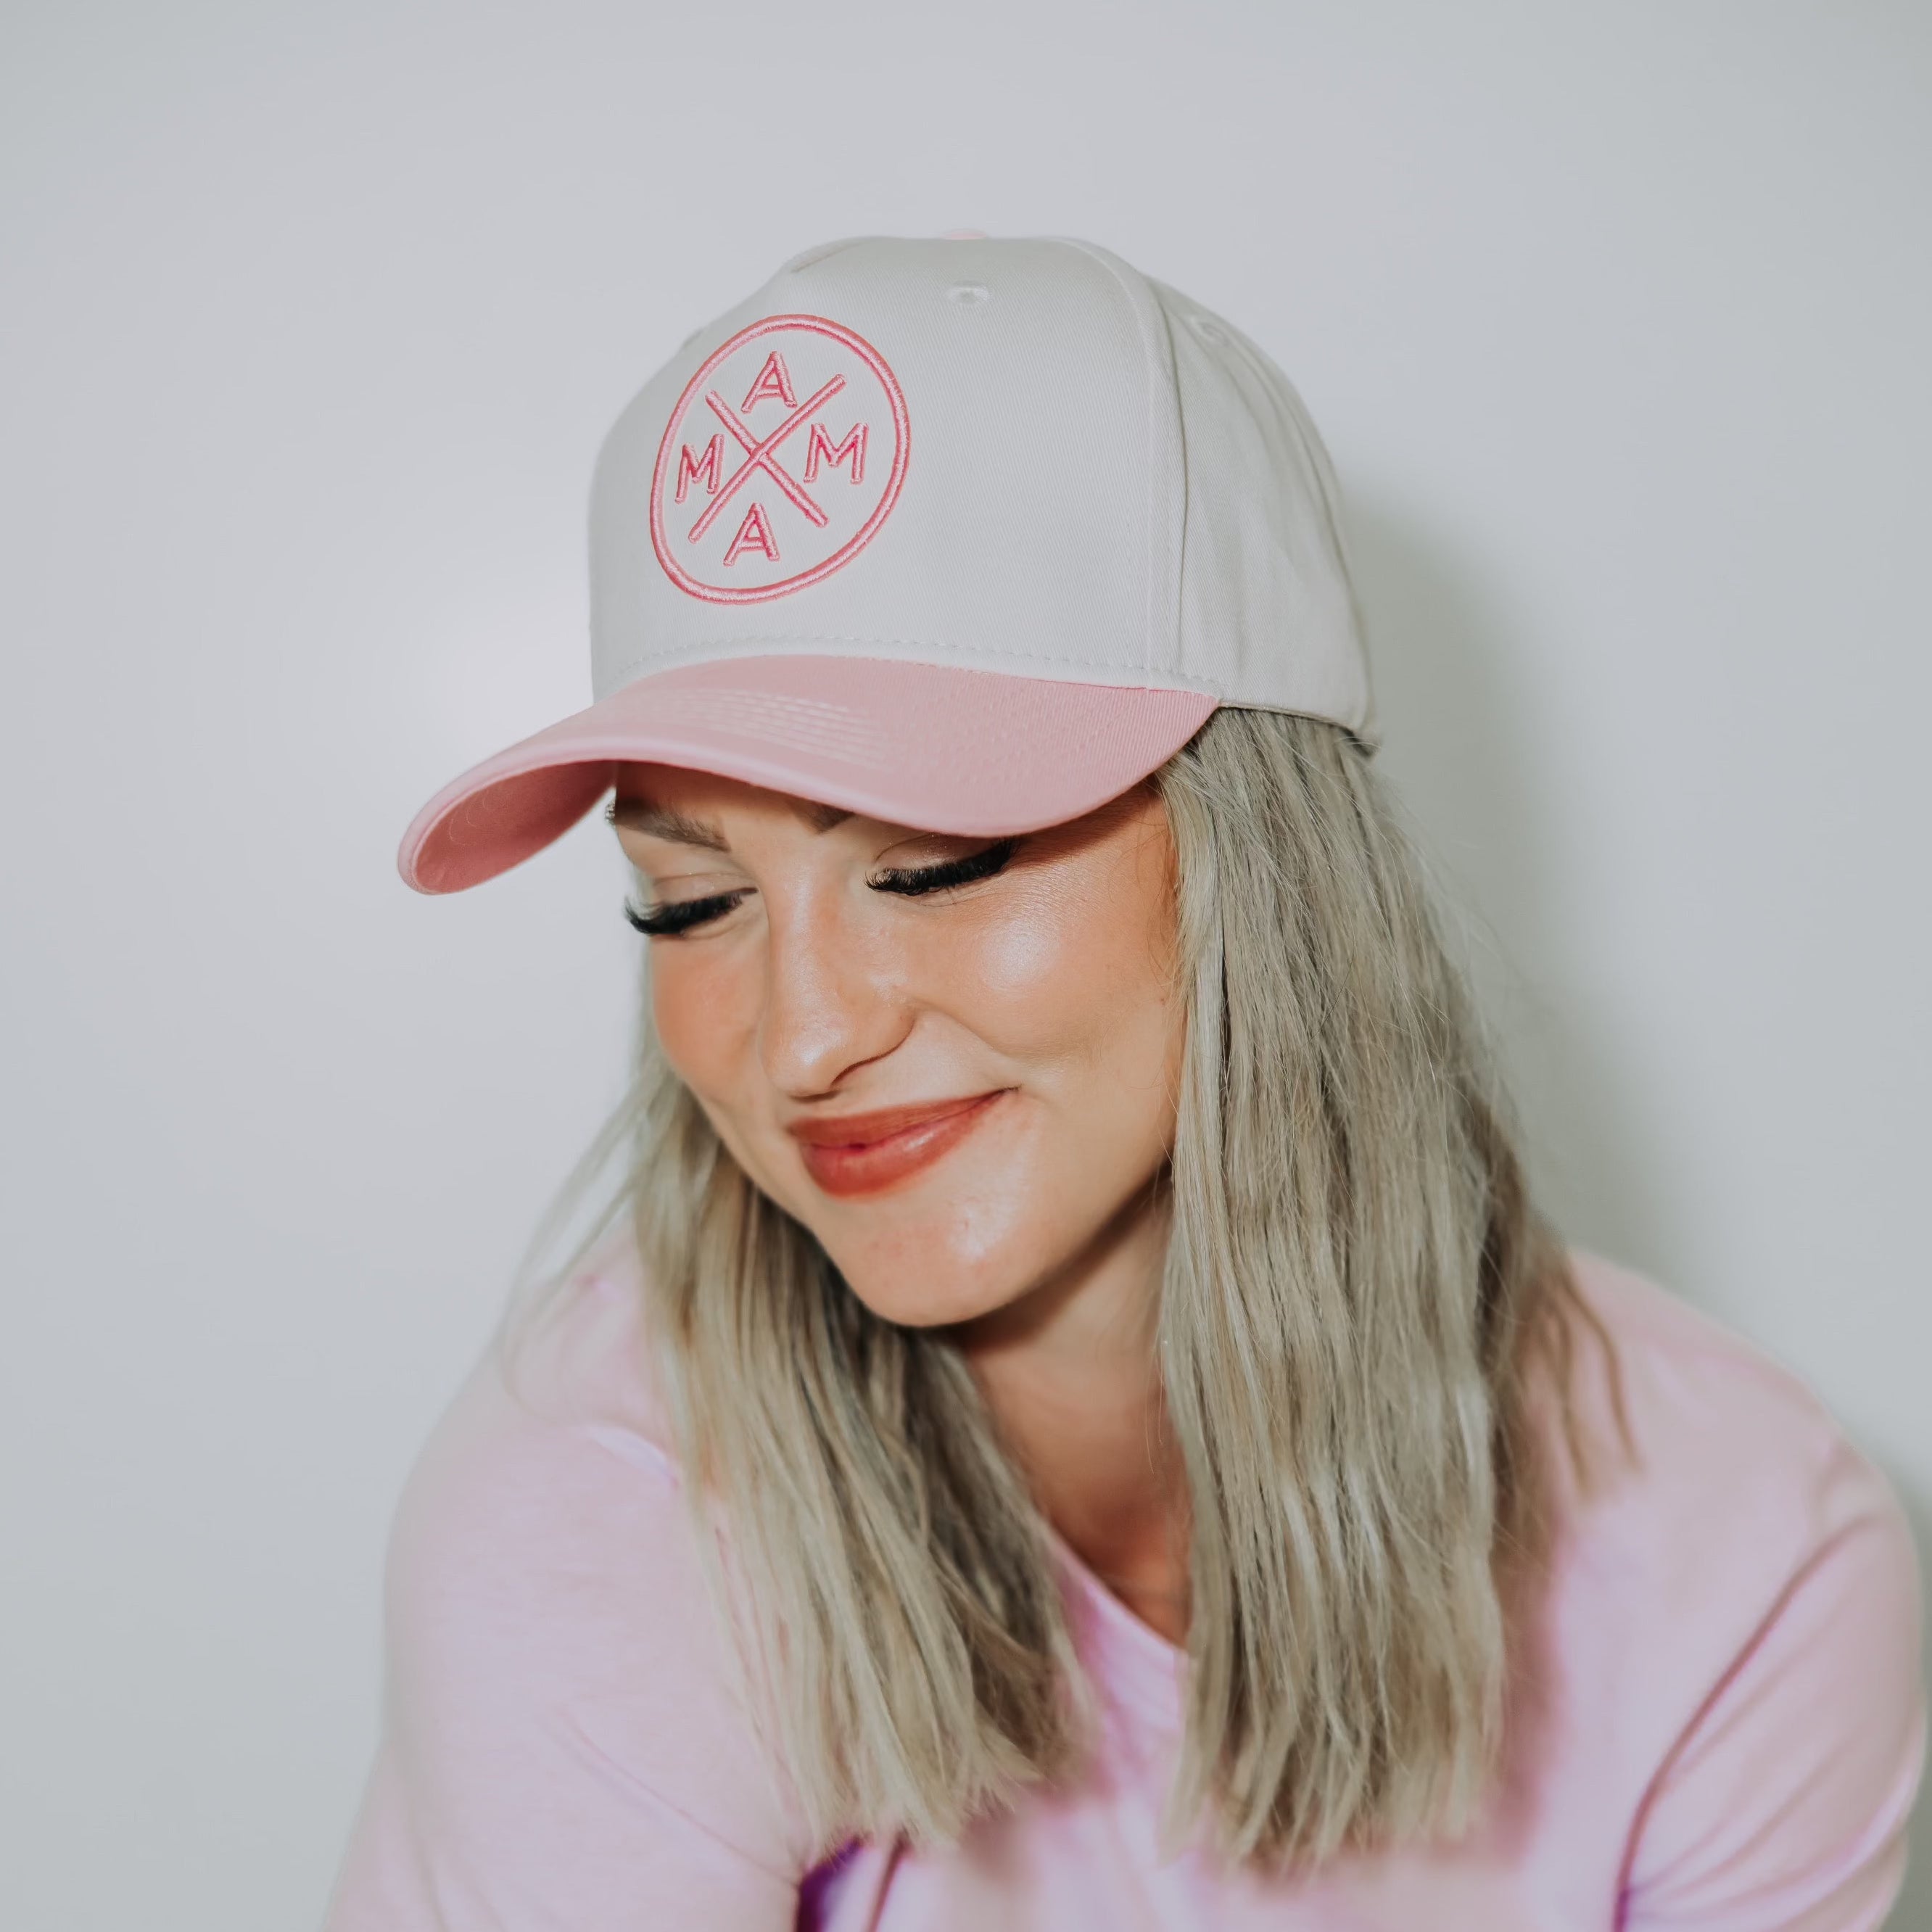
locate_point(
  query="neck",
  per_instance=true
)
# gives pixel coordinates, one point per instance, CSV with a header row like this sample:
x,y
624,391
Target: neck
x,y
1071,1375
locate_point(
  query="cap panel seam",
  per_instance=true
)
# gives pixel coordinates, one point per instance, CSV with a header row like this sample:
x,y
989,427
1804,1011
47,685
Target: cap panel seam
x,y
1184,454
1137,307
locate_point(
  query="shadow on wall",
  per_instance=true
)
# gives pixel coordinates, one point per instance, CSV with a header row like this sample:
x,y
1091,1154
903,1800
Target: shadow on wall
x,y
1455,678
1456,682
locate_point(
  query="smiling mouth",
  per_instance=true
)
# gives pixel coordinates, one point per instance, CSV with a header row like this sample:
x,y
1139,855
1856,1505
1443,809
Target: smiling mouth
x,y
865,1153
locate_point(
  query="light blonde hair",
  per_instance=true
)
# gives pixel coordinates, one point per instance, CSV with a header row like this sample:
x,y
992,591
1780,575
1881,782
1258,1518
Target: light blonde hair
x,y
1359,1298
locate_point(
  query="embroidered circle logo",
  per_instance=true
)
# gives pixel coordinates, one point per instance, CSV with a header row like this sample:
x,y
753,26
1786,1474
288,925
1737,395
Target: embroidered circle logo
x,y
783,455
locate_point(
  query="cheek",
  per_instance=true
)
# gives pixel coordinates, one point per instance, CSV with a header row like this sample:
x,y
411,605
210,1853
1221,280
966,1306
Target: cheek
x,y
704,1025
1079,984
1022,961
704,1008
1072,992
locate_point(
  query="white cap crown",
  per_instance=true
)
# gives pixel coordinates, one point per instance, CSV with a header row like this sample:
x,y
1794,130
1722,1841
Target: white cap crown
x,y
1011,456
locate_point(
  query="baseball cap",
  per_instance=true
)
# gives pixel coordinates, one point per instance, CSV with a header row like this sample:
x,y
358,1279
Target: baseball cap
x,y
968,535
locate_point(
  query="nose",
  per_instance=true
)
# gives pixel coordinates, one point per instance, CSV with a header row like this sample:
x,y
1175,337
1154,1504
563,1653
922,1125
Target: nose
x,y
833,1000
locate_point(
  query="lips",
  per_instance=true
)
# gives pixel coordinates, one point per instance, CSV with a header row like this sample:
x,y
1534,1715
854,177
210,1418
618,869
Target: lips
x,y
864,1154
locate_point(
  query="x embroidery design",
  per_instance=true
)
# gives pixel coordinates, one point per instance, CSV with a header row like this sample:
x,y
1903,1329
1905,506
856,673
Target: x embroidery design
x,y
830,531
760,456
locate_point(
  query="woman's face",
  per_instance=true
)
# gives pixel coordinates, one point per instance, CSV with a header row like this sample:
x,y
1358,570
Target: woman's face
x,y
954,1060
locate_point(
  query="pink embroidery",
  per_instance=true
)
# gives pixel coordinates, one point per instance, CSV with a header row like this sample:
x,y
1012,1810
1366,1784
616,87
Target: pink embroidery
x,y
759,456
706,467
754,533
817,444
818,534
774,379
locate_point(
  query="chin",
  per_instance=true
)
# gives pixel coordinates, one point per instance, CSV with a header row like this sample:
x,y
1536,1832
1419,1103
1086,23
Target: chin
x,y
930,1304
929,1277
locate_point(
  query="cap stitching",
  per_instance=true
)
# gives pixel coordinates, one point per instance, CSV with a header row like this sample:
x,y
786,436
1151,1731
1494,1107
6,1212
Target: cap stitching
x,y
1202,687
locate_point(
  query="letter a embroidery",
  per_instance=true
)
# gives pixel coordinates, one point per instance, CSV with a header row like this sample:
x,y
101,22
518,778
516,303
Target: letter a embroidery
x,y
754,533
774,379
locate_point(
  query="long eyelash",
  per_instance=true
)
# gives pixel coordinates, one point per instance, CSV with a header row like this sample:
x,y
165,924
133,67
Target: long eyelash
x,y
667,921
912,880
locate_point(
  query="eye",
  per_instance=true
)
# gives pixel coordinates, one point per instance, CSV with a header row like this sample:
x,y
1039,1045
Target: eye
x,y
680,916
911,881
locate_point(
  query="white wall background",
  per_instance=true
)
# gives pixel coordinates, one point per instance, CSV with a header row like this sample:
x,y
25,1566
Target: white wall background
x,y
1616,316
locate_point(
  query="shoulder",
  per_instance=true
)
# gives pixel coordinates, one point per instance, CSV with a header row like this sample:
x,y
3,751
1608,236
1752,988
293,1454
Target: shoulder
x,y
547,1594
551,1460
1739,1590
1725,1441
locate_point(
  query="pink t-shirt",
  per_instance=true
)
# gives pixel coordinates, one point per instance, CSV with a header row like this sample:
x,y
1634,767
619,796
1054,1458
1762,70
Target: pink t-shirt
x,y
1730,1733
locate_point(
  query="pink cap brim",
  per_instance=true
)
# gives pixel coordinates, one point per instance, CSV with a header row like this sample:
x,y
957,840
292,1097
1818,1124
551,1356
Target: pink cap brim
x,y
969,751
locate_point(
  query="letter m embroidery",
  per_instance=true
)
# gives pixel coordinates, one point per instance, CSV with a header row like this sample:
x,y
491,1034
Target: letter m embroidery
x,y
704,469
820,445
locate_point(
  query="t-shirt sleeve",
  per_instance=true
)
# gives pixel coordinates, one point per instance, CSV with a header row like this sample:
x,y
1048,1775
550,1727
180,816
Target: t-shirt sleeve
x,y
563,1749
1783,1807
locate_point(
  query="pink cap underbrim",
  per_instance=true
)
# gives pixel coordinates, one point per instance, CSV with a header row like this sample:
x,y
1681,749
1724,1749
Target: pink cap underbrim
x,y
970,751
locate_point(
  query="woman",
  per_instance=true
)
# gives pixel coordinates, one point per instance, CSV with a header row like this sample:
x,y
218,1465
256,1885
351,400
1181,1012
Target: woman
x,y
1080,1424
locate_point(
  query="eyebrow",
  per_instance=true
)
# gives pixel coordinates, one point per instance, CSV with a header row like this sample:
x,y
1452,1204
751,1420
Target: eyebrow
x,y
661,821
